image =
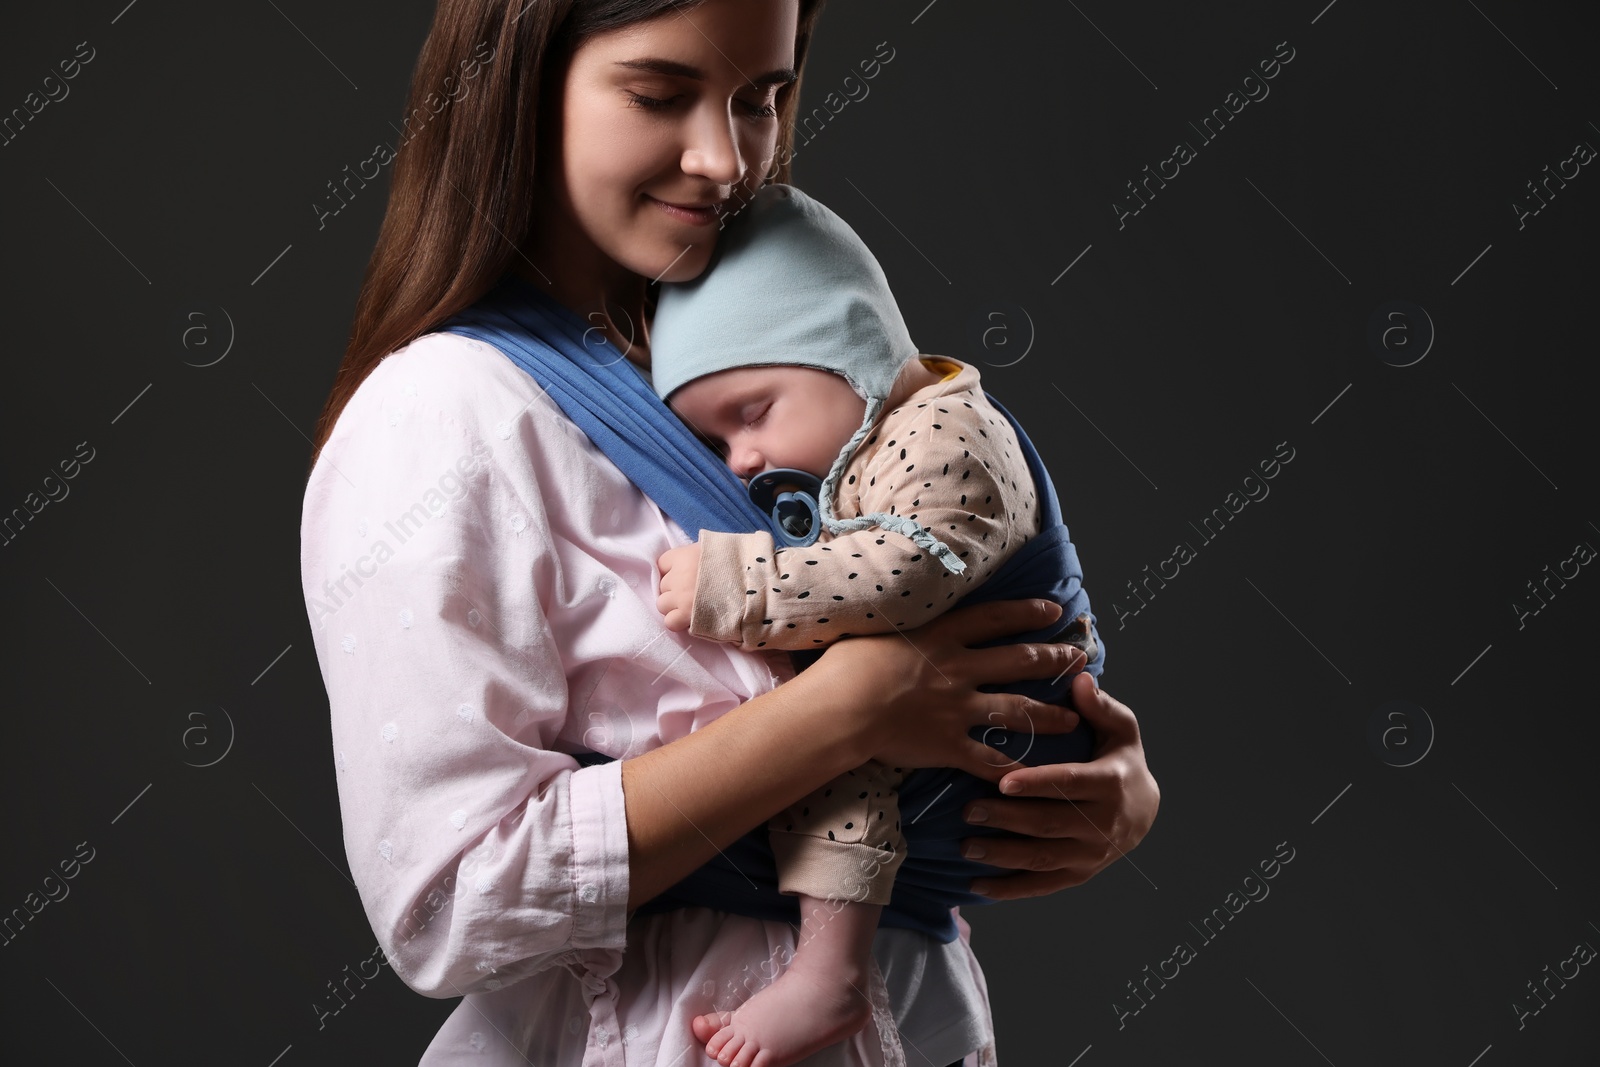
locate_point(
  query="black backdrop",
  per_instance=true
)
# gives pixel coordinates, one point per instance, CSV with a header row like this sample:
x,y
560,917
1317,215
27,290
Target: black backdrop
x,y
1346,666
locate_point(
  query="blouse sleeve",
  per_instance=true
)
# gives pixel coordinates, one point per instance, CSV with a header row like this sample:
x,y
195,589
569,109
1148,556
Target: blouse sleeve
x,y
481,855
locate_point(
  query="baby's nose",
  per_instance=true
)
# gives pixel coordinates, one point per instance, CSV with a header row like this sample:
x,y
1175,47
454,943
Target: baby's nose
x,y
748,463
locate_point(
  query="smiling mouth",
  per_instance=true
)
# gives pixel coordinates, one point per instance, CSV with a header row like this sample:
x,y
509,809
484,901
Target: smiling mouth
x,y
696,214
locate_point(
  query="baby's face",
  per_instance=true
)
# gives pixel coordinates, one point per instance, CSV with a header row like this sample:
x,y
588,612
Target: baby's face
x,y
763,418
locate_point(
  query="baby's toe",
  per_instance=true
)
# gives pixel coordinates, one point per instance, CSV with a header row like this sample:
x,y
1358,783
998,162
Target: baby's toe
x,y
730,1050
719,1042
706,1026
747,1055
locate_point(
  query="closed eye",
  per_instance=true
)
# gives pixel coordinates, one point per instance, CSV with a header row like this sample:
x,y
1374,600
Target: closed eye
x,y
651,103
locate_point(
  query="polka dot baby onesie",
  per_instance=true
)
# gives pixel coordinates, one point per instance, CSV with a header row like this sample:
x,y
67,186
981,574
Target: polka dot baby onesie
x,y
944,458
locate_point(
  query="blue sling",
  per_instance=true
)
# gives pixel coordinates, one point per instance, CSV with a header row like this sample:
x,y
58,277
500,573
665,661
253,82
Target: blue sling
x,y
610,400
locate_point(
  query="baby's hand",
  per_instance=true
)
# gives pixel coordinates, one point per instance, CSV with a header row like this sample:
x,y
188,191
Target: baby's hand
x,y
680,570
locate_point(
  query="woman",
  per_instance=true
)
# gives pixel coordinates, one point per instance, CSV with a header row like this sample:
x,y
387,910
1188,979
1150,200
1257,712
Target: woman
x,y
479,578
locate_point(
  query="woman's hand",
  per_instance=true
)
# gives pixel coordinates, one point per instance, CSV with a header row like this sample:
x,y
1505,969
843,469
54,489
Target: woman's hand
x,y
909,699
1082,816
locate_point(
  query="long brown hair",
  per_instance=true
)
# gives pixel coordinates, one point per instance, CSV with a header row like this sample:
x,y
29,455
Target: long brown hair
x,y
462,188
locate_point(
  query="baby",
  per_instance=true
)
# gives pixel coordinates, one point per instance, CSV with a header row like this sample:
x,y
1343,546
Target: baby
x,y
789,352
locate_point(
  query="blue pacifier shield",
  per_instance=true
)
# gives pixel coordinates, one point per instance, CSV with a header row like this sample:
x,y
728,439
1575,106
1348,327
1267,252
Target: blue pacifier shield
x,y
789,498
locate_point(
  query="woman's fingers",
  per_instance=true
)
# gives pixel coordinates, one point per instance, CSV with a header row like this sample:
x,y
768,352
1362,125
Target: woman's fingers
x,y
1092,781
982,761
1108,715
1046,820
1036,867
1064,845
990,621
1074,818
1028,661
1019,715
1114,724
1007,711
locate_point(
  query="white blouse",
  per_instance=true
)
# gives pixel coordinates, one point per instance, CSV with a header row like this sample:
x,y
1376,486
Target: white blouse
x,y
482,590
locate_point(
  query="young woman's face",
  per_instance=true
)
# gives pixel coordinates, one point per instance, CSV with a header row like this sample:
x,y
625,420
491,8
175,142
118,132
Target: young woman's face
x,y
763,418
678,110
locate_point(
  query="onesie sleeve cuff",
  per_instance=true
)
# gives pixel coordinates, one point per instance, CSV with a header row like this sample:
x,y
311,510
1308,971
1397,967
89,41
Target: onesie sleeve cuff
x,y
730,566
599,857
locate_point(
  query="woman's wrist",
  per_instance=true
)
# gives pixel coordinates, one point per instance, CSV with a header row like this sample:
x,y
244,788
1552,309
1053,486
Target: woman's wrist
x,y
824,707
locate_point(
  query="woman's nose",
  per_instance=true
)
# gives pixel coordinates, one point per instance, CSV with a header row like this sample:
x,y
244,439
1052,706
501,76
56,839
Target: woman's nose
x,y
712,149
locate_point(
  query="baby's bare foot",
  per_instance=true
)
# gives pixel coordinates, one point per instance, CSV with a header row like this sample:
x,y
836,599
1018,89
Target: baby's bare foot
x,y
807,1008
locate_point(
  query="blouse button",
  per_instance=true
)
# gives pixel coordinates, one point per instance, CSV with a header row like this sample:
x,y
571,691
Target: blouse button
x,y
588,893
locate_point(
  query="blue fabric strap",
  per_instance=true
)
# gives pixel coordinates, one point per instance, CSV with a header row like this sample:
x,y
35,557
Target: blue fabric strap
x,y
612,403
610,400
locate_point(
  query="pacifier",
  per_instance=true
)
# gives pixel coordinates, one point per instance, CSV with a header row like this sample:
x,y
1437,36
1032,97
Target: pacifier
x,y
789,498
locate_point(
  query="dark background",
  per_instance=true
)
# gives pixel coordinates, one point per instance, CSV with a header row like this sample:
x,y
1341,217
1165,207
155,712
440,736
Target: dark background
x,y
155,619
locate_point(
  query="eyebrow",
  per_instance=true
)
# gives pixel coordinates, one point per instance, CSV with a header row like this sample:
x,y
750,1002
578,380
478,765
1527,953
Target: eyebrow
x,y
673,68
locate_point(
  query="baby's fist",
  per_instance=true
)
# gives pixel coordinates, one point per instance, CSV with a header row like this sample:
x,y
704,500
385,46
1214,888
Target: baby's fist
x,y
680,570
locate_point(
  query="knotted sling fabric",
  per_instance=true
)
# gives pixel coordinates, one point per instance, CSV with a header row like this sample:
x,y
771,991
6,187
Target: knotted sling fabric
x,y
612,403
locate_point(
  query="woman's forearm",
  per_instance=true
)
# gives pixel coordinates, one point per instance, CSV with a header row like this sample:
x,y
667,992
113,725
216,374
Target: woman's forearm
x,y
688,799
908,699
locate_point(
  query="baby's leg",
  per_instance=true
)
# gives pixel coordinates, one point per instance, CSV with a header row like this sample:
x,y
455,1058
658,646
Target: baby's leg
x,y
838,849
819,999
